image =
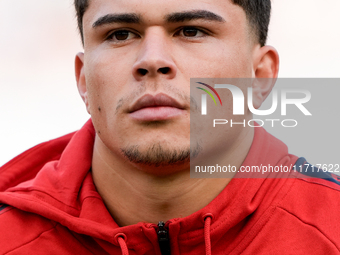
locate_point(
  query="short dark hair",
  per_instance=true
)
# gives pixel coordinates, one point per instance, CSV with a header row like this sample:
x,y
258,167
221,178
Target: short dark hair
x,y
257,12
258,15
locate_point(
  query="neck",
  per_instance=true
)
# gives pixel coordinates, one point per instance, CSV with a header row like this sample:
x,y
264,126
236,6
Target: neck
x,y
132,195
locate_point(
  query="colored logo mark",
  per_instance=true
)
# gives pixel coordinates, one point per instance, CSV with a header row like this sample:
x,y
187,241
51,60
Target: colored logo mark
x,y
211,88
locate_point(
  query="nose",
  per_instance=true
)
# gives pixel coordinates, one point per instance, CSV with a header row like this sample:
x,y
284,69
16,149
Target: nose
x,y
154,58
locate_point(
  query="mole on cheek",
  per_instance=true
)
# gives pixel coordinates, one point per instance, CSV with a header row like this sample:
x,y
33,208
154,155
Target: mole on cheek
x,y
99,109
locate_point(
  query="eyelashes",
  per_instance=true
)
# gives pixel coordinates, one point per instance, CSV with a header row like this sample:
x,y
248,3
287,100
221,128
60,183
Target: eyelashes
x,y
191,32
124,35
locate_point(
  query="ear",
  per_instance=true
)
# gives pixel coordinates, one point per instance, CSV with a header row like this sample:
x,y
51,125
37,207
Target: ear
x,y
266,69
80,77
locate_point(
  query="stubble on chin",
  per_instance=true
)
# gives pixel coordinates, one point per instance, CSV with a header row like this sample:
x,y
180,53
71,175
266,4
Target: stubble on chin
x,y
158,155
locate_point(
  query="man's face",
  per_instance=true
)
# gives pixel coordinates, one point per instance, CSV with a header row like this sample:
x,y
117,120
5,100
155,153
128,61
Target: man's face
x,y
138,60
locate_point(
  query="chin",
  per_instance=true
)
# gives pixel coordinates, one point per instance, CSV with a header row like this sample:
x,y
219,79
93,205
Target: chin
x,y
159,154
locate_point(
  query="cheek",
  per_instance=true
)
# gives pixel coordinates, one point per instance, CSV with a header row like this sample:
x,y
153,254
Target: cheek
x,y
106,81
218,60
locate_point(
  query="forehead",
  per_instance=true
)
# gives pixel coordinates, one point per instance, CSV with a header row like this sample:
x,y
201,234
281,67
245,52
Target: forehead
x,y
156,11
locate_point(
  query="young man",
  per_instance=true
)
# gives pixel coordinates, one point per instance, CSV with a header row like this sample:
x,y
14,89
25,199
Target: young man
x,y
121,185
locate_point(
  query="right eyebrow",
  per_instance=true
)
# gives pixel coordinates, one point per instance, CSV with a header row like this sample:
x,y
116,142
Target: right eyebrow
x,y
130,18
178,17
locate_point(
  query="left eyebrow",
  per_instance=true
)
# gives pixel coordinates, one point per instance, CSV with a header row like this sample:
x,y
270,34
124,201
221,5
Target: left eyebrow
x,y
178,17
117,18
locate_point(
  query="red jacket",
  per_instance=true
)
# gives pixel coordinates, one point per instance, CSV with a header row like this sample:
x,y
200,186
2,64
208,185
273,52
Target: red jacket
x,y
51,206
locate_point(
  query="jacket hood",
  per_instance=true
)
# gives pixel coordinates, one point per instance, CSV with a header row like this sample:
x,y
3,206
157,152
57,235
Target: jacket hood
x,y
54,180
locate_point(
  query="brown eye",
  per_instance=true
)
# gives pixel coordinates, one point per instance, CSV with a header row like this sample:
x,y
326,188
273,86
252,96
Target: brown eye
x,y
121,35
190,31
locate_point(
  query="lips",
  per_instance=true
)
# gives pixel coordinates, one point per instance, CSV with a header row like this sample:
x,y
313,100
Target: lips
x,y
155,108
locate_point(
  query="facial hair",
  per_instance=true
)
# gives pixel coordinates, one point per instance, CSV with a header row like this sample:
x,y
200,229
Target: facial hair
x,y
157,155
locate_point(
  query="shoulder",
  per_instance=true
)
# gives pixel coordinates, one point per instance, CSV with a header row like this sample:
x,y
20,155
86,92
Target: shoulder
x,y
317,198
313,202
318,185
28,233
19,228
303,219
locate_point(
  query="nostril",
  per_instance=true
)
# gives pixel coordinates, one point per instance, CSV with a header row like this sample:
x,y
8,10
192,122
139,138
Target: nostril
x,y
142,71
164,70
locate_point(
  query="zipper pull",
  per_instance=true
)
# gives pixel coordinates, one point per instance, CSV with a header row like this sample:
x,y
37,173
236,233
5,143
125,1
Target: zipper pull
x,y
163,239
